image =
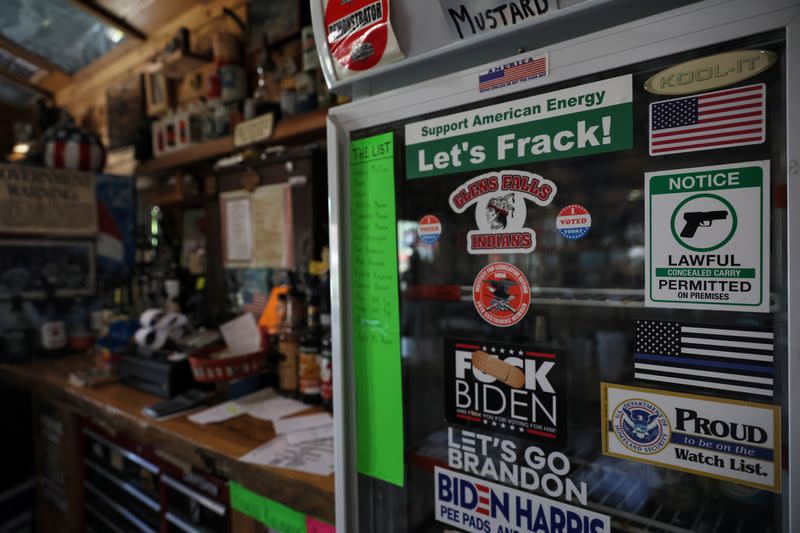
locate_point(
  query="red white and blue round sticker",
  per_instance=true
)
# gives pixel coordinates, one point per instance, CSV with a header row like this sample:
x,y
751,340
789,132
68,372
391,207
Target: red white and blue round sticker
x,y
429,229
574,222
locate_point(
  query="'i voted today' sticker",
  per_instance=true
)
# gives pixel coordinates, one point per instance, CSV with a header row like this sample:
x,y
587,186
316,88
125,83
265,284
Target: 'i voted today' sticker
x,y
429,229
574,222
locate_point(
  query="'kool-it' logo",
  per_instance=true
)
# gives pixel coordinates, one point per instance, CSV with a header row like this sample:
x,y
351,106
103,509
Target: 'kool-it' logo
x,y
500,209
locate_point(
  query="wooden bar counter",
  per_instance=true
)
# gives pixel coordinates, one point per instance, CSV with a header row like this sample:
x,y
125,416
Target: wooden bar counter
x,y
214,448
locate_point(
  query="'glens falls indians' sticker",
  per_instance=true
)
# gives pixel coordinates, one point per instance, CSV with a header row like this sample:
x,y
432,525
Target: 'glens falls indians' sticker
x,y
724,439
500,209
505,388
501,294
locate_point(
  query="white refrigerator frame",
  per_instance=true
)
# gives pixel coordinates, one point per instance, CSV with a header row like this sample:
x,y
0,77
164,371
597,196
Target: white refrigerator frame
x,y
694,26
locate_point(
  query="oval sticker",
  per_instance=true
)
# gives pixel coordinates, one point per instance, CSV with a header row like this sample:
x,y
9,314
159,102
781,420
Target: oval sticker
x,y
710,72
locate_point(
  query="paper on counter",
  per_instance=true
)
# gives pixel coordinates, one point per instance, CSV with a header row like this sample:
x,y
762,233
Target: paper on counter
x,y
299,423
274,409
263,404
314,457
218,413
305,435
242,335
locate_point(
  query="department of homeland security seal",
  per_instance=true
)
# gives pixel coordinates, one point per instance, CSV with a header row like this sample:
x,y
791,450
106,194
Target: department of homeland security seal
x,y
641,426
501,294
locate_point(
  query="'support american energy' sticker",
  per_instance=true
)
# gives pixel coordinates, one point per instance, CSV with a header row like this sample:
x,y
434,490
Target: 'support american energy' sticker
x,y
500,209
723,439
429,229
574,222
501,294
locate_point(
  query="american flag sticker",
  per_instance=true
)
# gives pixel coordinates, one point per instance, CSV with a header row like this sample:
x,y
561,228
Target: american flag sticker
x,y
733,359
719,119
522,70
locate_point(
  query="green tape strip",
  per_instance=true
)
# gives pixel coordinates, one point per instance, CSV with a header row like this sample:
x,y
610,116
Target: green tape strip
x,y
376,314
266,511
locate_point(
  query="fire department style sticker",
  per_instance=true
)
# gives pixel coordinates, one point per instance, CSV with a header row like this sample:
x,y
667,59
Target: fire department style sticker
x,y
574,222
505,388
429,229
713,437
480,506
501,294
500,209
707,237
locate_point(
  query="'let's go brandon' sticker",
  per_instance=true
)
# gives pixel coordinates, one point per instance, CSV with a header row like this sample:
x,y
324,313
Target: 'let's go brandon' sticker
x,y
589,119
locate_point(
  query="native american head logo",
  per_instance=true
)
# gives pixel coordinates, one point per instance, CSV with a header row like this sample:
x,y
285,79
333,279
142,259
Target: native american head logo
x,y
499,210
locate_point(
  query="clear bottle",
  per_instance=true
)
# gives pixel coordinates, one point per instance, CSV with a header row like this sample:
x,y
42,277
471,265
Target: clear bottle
x,y
288,348
18,335
308,364
325,350
53,330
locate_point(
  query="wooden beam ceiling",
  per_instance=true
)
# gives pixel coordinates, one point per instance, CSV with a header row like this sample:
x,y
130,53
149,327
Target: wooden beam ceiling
x,y
30,57
19,80
110,18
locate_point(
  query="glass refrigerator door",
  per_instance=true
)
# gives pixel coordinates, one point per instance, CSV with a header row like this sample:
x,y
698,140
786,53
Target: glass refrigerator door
x,y
581,325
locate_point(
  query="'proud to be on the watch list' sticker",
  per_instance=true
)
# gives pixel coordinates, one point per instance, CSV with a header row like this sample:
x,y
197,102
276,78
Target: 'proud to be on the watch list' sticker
x,y
429,229
574,222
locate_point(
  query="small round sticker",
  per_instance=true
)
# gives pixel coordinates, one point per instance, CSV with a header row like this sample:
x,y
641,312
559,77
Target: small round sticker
x,y
429,229
574,222
501,294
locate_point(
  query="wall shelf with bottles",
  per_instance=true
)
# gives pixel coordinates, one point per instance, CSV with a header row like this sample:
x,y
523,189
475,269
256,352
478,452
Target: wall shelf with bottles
x,y
290,129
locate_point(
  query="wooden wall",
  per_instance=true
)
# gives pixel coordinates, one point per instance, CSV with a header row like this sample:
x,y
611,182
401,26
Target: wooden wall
x,y
85,97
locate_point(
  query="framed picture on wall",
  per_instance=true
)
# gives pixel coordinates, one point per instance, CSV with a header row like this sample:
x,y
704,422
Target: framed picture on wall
x,y
125,112
276,20
156,90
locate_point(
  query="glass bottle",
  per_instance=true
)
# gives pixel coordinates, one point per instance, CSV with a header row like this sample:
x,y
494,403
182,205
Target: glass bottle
x,y
288,348
18,335
308,364
325,351
53,330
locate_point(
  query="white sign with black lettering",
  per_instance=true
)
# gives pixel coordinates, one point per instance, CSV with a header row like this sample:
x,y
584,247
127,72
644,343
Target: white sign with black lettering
x,y
468,18
707,237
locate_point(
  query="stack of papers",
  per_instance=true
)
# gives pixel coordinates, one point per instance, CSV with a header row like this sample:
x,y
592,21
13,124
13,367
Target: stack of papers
x,y
303,443
264,404
312,456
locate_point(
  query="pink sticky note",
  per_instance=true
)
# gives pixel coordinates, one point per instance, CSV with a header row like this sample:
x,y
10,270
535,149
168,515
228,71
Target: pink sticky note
x,y
315,526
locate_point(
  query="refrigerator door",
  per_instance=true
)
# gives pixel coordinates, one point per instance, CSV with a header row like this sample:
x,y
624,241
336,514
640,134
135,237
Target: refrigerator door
x,y
564,301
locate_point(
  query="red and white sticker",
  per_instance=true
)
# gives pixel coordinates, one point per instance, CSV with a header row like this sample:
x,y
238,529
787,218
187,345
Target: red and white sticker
x,y
574,222
501,294
359,34
429,229
501,209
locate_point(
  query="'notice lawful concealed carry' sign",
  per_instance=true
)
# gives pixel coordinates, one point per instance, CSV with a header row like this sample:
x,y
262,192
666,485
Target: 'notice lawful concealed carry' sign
x,y
707,237
589,119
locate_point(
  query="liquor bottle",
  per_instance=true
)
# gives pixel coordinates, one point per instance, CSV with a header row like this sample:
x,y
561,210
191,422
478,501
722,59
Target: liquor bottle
x,y
18,335
53,330
308,365
288,348
325,352
326,369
